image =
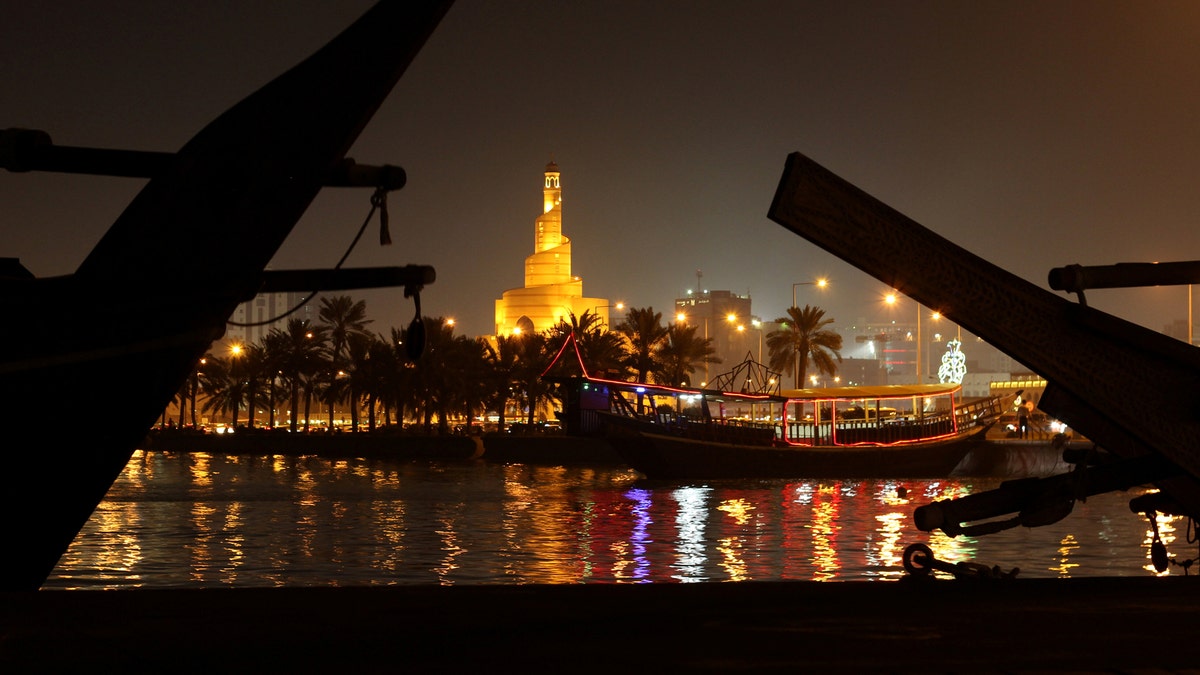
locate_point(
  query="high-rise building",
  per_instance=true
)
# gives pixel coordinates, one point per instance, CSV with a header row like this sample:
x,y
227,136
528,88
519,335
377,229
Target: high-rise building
x,y
551,293
717,316
259,313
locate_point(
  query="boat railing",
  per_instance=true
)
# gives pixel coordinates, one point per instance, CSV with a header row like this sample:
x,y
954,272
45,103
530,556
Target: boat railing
x,y
855,431
726,430
982,411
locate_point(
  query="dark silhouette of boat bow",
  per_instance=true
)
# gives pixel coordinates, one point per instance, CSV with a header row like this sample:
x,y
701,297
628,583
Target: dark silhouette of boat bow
x,y
1128,389
146,303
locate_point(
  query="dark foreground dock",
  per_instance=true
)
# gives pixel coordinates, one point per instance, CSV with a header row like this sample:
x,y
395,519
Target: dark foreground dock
x,y
1140,625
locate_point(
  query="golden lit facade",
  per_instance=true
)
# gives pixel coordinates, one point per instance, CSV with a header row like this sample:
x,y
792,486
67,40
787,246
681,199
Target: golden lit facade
x,y
551,293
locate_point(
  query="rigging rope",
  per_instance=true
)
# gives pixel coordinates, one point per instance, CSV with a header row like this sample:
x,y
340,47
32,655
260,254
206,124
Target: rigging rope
x,y
378,203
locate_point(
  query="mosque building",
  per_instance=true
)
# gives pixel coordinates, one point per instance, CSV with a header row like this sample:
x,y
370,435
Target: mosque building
x,y
551,294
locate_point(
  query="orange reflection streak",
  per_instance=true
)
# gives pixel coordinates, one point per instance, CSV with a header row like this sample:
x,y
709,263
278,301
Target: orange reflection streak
x,y
388,521
732,549
1066,547
120,552
451,550
202,556
824,532
732,558
738,509
235,541
200,469
891,528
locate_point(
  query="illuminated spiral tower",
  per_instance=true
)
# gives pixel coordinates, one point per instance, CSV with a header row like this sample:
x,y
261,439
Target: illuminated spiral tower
x,y
550,263
551,293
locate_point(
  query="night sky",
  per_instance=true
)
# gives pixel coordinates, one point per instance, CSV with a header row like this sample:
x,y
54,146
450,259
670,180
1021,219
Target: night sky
x,y
1035,134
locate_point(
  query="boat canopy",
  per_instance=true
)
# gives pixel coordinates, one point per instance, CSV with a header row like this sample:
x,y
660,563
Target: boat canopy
x,y
663,390
877,392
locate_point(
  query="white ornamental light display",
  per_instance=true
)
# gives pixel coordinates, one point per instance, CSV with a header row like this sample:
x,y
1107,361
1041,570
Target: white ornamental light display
x,y
954,364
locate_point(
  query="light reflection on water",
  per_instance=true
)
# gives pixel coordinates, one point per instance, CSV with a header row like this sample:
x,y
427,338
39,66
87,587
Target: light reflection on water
x,y
196,520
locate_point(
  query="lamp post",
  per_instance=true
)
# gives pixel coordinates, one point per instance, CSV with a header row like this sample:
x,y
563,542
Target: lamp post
x,y
891,299
819,283
757,325
596,310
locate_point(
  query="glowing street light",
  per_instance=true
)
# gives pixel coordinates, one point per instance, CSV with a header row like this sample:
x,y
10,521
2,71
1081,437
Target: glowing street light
x,y
620,306
756,325
819,283
891,299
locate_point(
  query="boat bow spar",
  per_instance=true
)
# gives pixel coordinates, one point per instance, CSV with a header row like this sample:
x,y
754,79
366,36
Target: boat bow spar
x,y
1123,386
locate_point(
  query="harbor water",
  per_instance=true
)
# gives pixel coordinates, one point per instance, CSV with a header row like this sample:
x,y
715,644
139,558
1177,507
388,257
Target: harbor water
x,y
197,520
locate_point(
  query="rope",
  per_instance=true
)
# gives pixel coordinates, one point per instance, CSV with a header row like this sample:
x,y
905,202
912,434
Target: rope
x,y
378,202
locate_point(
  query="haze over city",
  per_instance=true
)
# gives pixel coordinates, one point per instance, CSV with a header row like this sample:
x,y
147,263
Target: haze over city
x,y
1035,134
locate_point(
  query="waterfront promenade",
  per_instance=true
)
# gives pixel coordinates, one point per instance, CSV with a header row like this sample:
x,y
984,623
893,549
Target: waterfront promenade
x,y
492,447
1088,625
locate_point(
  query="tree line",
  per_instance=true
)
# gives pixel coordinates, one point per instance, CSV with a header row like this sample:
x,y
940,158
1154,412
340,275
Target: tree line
x,y
311,367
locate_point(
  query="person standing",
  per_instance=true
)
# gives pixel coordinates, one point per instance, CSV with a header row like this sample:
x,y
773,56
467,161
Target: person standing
x,y
1023,418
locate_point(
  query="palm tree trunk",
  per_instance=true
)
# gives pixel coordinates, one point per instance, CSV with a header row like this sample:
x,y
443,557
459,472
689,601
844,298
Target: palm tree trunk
x,y
307,405
332,381
250,401
294,425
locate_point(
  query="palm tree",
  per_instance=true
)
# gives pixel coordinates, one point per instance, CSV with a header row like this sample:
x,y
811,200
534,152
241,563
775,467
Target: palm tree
x,y
645,335
803,339
467,377
681,353
602,351
301,358
344,319
434,376
400,376
223,388
370,358
502,365
644,338
252,362
274,347
532,360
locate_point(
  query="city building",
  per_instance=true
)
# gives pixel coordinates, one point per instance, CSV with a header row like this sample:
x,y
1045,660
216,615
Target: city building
x,y
264,312
551,293
717,316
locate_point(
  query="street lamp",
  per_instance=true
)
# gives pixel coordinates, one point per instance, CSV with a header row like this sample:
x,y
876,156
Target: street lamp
x,y
758,327
819,283
891,299
596,310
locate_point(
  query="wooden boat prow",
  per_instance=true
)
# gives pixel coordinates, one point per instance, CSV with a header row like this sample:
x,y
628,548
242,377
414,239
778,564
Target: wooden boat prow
x,y
146,303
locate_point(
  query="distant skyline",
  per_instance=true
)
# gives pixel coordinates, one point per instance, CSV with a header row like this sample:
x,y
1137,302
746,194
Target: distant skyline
x,y
1035,134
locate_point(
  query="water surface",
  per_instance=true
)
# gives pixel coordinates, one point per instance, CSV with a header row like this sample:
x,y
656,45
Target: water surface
x,y
179,520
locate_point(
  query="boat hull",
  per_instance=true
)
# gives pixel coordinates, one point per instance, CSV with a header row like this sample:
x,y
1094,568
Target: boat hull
x,y
666,457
